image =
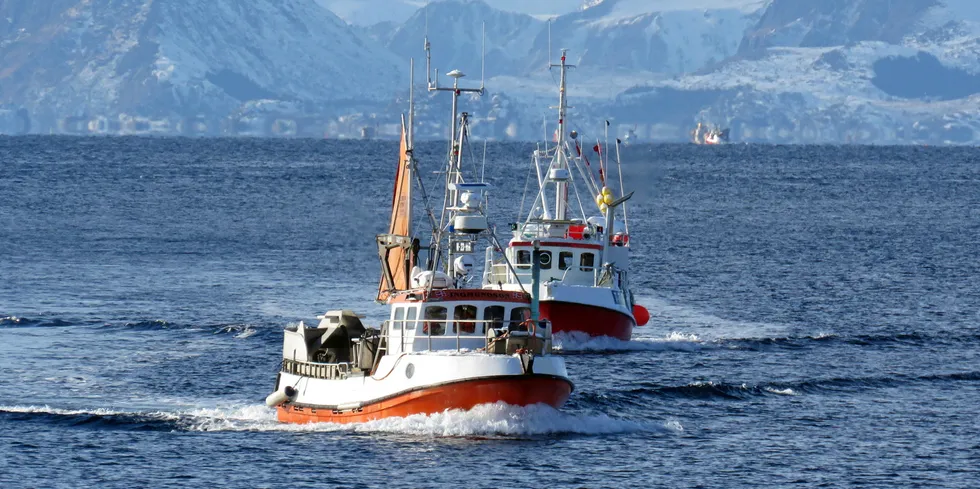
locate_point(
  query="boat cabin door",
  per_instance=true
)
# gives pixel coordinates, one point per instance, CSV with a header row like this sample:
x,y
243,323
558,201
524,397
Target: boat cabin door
x,y
401,329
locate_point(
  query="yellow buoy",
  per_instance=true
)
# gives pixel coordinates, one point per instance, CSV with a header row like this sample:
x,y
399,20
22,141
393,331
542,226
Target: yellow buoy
x,y
608,199
599,199
603,207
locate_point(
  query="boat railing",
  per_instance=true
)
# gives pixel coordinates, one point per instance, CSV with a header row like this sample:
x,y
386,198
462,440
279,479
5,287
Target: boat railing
x,y
458,337
498,273
317,370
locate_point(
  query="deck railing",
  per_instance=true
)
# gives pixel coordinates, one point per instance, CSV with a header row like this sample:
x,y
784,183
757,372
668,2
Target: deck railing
x,y
457,337
498,273
330,371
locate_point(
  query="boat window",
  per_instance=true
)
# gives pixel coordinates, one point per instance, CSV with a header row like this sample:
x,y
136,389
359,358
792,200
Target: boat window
x,y
494,316
517,316
565,260
523,259
413,312
545,260
617,297
465,317
434,321
587,262
399,318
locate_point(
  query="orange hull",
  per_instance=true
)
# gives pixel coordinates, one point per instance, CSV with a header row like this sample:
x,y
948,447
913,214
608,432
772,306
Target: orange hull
x,y
516,390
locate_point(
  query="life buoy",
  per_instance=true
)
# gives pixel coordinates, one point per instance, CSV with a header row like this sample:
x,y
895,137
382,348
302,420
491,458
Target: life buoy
x,y
529,325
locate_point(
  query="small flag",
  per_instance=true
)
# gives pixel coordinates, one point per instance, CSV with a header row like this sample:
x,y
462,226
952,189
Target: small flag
x,y
607,123
597,149
618,141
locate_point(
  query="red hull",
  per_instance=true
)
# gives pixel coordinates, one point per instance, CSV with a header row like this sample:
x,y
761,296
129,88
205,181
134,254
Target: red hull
x,y
518,391
591,320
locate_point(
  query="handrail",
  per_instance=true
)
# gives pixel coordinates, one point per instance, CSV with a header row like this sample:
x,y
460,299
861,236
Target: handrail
x,y
342,370
495,271
458,336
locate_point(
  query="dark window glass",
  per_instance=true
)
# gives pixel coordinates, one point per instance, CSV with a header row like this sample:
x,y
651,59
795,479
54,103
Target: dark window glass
x,y
465,317
517,316
524,259
587,262
435,321
565,260
494,316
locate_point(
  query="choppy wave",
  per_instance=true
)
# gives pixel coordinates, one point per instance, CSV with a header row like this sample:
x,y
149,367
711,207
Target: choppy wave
x,y
721,390
15,322
238,330
93,418
482,421
580,342
756,335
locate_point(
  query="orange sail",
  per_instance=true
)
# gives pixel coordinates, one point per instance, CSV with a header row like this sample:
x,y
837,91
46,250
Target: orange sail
x,y
401,225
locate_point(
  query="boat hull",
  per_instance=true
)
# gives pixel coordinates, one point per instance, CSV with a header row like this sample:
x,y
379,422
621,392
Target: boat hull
x,y
517,390
593,320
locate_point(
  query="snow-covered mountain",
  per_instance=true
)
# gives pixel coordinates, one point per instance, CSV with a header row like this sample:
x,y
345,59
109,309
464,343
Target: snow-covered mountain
x,y
791,23
365,13
455,30
834,71
181,58
667,36
877,71
659,36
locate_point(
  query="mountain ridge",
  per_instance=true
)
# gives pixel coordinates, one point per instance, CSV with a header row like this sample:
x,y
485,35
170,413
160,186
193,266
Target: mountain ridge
x,y
773,70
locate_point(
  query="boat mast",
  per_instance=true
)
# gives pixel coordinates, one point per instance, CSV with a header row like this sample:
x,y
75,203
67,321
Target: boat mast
x,y
409,141
454,156
411,103
561,159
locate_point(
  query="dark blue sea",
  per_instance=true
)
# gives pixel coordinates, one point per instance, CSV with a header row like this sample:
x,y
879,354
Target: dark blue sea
x,y
815,320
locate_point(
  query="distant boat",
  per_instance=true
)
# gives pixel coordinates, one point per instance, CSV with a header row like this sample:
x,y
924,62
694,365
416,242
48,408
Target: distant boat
x,y
712,135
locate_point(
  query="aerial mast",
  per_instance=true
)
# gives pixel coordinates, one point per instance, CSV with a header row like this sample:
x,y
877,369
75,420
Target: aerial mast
x,y
456,137
561,161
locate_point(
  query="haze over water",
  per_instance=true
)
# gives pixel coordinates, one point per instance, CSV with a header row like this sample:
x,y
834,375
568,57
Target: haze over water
x,y
815,320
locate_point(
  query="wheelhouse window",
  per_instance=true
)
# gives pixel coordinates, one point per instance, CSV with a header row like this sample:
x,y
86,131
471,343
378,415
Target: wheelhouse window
x,y
493,317
523,259
545,260
413,313
517,316
399,318
434,321
565,260
587,262
464,317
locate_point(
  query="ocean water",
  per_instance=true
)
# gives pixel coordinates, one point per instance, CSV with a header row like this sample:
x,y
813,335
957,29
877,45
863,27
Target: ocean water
x,y
815,320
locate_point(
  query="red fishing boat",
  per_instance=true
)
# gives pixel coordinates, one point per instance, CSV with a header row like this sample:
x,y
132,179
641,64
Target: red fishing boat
x,y
584,285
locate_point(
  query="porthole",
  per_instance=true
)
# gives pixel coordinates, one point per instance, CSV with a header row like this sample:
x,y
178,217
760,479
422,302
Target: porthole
x,y
545,260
